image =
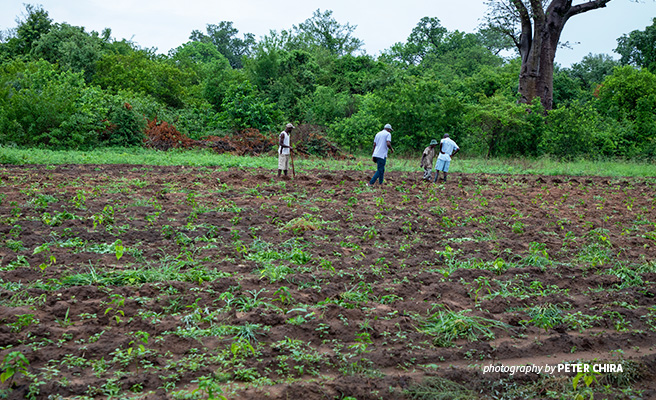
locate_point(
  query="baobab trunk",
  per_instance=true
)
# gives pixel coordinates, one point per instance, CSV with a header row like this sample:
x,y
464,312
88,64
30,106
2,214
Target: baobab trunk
x,y
538,42
536,75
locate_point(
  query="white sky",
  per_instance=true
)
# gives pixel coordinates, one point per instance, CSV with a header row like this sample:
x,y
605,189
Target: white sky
x,y
166,24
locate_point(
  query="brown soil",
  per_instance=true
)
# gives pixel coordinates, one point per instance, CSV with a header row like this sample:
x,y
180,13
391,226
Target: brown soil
x,y
345,317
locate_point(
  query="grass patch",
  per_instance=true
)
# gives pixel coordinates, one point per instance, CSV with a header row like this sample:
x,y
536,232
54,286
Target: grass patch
x,y
447,326
141,156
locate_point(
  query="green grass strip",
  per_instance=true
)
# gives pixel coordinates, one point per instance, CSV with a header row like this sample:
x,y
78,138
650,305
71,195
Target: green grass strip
x,y
200,158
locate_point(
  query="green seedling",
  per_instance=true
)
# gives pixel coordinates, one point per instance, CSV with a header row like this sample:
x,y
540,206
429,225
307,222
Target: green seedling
x,y
362,342
13,363
105,217
589,377
283,296
50,258
209,387
118,245
23,321
117,301
66,321
448,326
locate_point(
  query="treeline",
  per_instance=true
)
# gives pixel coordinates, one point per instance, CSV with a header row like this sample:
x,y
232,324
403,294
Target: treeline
x,y
64,88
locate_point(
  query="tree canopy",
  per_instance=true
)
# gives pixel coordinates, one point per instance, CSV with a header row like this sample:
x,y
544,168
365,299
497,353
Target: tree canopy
x,y
62,86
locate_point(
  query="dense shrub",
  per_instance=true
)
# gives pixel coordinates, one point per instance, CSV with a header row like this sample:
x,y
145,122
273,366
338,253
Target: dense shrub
x,y
36,98
125,127
580,130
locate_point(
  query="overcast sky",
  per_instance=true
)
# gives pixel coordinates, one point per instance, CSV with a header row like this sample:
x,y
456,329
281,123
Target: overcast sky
x,y
166,24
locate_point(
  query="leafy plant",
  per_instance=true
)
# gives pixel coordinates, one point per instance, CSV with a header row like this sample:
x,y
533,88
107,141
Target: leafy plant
x,y
14,362
545,316
589,376
117,302
23,321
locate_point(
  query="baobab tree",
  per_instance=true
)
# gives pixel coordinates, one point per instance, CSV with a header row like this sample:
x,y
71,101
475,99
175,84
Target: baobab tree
x,y
535,27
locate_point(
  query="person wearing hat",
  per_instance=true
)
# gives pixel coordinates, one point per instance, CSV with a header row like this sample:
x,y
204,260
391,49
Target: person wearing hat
x,y
284,150
382,143
448,149
427,158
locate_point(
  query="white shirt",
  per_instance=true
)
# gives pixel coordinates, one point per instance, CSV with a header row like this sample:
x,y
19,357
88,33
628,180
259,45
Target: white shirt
x,y
448,147
285,141
380,141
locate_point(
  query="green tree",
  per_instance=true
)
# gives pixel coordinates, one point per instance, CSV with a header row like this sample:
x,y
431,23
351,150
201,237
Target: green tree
x,y
36,98
355,74
497,127
419,109
243,109
425,38
326,105
284,78
142,72
638,48
629,95
593,69
535,30
324,32
449,54
580,130
70,47
224,37
35,24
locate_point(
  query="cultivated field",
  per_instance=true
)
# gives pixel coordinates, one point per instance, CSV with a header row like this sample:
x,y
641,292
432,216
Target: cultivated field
x,y
148,282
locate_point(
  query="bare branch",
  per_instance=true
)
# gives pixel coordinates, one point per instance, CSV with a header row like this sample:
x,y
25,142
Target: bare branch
x,y
590,5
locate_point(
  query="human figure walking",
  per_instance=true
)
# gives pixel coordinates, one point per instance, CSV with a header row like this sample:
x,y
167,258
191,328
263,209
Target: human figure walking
x,y
382,143
448,149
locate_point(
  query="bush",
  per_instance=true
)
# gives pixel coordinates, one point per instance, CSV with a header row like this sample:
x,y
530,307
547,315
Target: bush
x,y
243,109
500,127
579,130
358,131
125,127
326,105
36,98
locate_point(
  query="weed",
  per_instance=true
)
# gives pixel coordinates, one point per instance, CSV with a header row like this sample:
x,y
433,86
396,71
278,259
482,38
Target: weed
x,y
545,316
448,326
518,227
580,321
302,224
249,332
66,321
437,388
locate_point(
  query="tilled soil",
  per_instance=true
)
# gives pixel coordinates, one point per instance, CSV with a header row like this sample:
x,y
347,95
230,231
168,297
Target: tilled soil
x,y
128,281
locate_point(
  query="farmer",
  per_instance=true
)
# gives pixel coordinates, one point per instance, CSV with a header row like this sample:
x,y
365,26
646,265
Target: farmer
x,y
448,149
427,160
284,150
382,142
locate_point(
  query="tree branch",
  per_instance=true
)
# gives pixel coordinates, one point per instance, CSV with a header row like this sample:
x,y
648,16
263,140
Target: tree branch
x,y
526,37
590,5
538,11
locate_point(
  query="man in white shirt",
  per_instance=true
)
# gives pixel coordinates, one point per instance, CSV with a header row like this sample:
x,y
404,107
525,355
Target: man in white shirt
x,y
448,149
284,150
382,143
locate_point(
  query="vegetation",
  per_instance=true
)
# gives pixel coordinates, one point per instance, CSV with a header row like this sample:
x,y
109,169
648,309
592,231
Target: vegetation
x,y
62,87
204,280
